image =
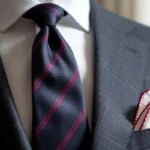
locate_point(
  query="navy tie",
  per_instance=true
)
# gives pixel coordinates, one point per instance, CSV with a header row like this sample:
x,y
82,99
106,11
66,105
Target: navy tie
x,y
59,114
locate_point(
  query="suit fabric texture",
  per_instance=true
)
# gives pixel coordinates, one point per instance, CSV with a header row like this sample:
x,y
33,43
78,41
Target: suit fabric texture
x,y
121,74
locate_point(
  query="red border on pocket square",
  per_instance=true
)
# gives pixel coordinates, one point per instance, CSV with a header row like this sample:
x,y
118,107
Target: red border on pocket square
x,y
142,118
143,111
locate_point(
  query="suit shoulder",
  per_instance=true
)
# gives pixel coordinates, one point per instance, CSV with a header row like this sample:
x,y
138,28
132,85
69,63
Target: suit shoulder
x,y
123,24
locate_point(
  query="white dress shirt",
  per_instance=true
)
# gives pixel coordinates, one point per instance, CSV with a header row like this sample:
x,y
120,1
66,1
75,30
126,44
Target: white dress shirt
x,y
16,38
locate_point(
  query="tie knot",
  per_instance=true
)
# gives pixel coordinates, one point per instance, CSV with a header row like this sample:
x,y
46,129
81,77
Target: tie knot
x,y
45,14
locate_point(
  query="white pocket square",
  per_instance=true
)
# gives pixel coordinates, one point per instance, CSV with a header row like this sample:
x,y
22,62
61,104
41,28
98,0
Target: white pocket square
x,y
142,119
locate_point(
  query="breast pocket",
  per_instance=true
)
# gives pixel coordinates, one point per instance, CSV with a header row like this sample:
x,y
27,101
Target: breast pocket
x,y
140,140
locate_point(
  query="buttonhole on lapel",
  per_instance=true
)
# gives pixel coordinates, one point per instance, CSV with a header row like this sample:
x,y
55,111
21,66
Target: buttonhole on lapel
x,y
131,49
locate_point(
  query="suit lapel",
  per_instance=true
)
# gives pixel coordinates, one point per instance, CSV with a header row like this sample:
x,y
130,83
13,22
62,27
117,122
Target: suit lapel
x,y
11,130
118,71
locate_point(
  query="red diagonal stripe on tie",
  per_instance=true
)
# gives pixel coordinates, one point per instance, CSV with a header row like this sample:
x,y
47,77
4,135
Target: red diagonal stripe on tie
x,y
57,102
72,131
41,40
48,67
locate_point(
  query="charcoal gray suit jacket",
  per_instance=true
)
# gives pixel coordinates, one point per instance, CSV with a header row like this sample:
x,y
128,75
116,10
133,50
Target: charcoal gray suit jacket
x,y
121,74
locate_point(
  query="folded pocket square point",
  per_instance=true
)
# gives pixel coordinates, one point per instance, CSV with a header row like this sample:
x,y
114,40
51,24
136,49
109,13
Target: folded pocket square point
x,y
142,119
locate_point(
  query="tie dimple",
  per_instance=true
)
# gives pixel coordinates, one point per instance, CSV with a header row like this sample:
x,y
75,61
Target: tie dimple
x,y
45,14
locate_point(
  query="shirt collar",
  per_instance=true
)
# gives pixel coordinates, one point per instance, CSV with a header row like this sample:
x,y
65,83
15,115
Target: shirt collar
x,y
10,11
